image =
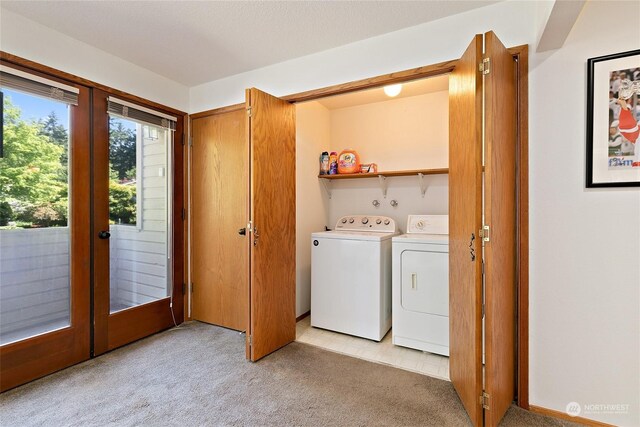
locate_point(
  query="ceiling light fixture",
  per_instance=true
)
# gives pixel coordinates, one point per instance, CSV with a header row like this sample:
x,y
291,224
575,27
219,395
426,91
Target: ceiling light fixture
x,y
393,90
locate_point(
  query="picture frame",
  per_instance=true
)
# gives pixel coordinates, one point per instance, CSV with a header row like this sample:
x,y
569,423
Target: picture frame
x,y
613,120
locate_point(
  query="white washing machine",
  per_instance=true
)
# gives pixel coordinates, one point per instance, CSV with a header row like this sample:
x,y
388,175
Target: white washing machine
x,y
421,284
351,276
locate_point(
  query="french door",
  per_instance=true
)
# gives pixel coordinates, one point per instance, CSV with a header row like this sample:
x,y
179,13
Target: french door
x,y
137,266
88,181
482,215
44,225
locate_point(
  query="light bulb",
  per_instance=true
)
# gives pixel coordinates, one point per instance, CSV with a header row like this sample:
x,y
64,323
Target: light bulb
x,y
393,90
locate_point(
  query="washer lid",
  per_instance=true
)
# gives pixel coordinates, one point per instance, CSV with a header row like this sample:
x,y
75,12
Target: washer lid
x,y
425,239
354,235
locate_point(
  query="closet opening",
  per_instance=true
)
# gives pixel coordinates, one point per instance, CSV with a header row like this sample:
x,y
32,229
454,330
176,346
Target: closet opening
x,y
403,141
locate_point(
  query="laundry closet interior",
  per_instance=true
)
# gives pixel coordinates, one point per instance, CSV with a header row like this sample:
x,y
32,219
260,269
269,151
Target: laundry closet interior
x,y
256,198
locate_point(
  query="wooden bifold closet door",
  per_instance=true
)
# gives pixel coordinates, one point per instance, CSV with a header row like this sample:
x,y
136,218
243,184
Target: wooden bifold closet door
x,y
472,195
272,136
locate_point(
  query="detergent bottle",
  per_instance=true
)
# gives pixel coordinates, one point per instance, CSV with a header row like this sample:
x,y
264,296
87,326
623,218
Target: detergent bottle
x,y
333,163
348,161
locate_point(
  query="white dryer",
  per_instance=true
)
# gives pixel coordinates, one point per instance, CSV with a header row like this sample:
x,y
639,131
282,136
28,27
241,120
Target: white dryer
x,y
351,276
421,284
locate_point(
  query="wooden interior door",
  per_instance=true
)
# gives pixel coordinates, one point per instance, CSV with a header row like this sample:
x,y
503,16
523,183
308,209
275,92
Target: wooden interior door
x,y
272,136
219,214
500,216
465,219
29,270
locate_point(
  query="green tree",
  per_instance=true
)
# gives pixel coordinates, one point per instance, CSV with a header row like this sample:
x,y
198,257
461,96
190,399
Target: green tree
x,y
122,150
30,169
57,134
122,203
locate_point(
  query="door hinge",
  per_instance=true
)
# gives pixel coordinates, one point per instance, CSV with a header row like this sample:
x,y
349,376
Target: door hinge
x,y
249,111
184,288
483,233
484,400
184,214
485,66
250,339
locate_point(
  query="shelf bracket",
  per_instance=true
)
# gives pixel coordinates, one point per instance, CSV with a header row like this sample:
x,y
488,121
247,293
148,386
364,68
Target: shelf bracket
x,y
383,185
423,185
327,186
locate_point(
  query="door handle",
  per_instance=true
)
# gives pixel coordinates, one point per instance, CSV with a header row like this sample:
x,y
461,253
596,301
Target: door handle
x,y
472,250
104,234
242,231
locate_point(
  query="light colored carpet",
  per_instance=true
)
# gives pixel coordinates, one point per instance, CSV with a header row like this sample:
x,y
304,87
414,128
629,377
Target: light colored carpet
x,y
197,375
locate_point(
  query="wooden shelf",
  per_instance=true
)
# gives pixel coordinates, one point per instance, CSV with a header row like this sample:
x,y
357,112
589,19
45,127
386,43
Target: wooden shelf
x,y
387,174
382,177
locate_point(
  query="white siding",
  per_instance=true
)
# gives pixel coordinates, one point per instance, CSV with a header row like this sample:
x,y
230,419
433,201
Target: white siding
x,y
139,267
34,277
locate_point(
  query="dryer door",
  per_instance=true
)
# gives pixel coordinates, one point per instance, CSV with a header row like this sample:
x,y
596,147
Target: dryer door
x,y
425,282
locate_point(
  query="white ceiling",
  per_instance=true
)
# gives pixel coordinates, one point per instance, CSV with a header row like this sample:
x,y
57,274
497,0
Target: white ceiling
x,y
193,42
369,96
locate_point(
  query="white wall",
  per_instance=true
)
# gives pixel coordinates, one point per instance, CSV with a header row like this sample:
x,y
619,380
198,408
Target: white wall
x,y
585,274
517,22
584,244
312,137
30,40
402,133
397,134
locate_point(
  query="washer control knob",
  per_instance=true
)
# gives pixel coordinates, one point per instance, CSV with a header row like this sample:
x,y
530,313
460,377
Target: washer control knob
x,y
378,221
365,220
344,220
351,220
386,222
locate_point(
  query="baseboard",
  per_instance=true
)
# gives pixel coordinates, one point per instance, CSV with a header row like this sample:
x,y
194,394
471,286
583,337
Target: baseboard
x,y
302,316
564,416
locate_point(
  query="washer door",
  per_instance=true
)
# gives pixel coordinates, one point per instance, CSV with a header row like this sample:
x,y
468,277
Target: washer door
x,y
425,282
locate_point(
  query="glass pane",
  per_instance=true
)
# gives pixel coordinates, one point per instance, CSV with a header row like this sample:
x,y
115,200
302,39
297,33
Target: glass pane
x,y
138,206
34,217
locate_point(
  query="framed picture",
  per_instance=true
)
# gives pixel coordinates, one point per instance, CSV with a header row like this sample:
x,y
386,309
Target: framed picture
x,y
613,117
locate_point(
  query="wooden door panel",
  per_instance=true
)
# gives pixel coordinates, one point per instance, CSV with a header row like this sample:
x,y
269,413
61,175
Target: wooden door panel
x,y
112,330
465,219
39,355
220,200
273,214
500,215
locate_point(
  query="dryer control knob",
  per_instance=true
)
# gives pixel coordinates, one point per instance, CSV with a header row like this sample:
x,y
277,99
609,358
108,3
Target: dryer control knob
x,y
378,221
420,225
344,220
351,220
365,220
386,222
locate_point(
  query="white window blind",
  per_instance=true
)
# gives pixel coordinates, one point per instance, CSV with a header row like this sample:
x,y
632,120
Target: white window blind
x,y
21,81
120,108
